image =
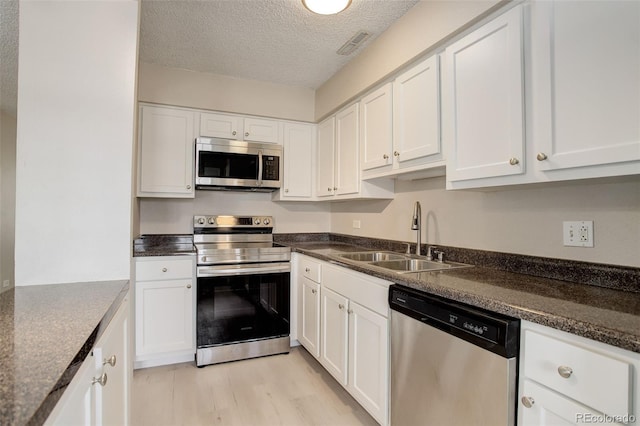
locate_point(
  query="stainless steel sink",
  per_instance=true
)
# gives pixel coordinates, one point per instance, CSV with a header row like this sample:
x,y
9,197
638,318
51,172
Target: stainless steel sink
x,y
400,263
372,256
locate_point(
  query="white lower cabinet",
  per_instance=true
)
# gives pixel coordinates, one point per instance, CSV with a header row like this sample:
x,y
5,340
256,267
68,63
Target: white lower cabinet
x,y
165,310
343,320
99,394
567,379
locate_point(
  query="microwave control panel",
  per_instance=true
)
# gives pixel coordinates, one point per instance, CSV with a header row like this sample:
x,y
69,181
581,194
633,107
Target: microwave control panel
x,y
270,167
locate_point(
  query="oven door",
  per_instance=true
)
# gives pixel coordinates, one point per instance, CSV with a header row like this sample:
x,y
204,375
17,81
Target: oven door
x,y
242,303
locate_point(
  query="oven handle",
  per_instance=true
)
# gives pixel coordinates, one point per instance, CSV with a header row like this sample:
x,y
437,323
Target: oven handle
x,y
245,269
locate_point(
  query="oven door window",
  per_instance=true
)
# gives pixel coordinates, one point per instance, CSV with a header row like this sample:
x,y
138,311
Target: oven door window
x,y
241,308
227,165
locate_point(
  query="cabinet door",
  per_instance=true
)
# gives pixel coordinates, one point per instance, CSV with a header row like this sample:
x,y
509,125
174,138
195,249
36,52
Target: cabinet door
x,y
483,95
309,334
376,130
334,329
111,357
586,82
546,407
164,316
221,126
298,160
77,404
261,130
369,360
347,179
166,153
326,157
416,112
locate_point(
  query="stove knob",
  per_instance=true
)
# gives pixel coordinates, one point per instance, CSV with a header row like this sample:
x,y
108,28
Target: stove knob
x,y
256,221
266,221
212,221
201,221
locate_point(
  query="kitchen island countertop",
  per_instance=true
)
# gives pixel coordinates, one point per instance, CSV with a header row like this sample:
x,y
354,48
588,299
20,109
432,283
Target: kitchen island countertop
x,y
46,332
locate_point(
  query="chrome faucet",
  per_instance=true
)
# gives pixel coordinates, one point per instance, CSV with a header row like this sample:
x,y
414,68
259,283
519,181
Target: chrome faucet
x,y
416,224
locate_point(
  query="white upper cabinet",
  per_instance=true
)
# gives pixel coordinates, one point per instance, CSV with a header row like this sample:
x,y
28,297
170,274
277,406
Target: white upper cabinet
x,y
586,80
299,149
483,99
229,126
416,113
165,152
347,178
325,157
376,128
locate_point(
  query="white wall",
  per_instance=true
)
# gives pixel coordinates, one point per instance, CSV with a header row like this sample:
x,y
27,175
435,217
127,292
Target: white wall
x,y
172,86
175,216
76,98
7,198
426,24
526,220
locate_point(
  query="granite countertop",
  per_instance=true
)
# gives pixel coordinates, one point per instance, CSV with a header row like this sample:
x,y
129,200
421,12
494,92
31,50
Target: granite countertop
x,y
46,332
163,245
599,313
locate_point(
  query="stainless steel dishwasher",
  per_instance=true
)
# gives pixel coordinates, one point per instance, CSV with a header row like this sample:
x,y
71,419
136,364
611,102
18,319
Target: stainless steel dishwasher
x,y
451,364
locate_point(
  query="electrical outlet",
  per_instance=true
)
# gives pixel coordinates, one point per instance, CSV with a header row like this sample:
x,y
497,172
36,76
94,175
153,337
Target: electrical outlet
x,y
356,224
578,234
6,283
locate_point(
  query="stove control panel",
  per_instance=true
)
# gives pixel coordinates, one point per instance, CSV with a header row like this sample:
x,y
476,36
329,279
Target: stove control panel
x,y
232,221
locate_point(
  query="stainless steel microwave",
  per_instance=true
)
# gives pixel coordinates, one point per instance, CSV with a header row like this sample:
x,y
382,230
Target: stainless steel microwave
x,y
223,164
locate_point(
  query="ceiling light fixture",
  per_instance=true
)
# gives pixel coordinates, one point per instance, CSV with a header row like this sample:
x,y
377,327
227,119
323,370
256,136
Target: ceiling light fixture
x,y
326,7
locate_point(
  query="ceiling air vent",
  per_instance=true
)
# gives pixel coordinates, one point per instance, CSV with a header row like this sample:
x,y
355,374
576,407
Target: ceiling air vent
x,y
353,43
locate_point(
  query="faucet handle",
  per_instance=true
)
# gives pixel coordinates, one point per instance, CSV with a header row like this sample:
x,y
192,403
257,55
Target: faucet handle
x,y
430,251
408,248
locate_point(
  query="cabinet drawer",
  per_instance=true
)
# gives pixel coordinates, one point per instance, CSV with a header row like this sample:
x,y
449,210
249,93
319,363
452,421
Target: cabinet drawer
x,y
164,269
310,269
596,380
370,292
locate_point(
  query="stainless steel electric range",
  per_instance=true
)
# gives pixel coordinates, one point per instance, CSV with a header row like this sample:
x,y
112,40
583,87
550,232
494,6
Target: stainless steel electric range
x,y
243,289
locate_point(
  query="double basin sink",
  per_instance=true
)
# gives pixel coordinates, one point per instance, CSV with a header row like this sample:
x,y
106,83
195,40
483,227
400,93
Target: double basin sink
x,y
400,263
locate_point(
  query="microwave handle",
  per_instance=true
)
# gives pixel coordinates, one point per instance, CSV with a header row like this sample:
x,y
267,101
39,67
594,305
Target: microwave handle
x,y
260,168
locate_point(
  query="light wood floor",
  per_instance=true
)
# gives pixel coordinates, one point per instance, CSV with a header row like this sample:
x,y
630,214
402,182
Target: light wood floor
x,y
291,389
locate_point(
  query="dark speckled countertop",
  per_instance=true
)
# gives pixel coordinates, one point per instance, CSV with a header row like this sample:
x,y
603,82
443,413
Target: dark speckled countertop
x,y
46,332
600,313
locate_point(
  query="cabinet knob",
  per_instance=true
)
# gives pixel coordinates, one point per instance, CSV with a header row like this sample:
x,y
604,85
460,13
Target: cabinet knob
x,y
111,361
541,156
335,188
514,161
527,401
340,306
234,133
313,291
164,269
396,154
329,189
188,285
246,134
101,379
188,186
349,311
565,371
385,156
307,270
286,190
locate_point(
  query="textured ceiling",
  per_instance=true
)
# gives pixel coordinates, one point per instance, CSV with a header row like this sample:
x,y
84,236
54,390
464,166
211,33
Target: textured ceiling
x,y
277,41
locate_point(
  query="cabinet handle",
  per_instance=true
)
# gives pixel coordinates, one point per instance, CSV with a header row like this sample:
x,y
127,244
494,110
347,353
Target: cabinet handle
x,y
164,269
565,371
514,161
385,156
188,285
349,311
313,291
340,306
188,186
307,270
101,380
246,134
527,401
396,154
234,133
541,156
111,361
